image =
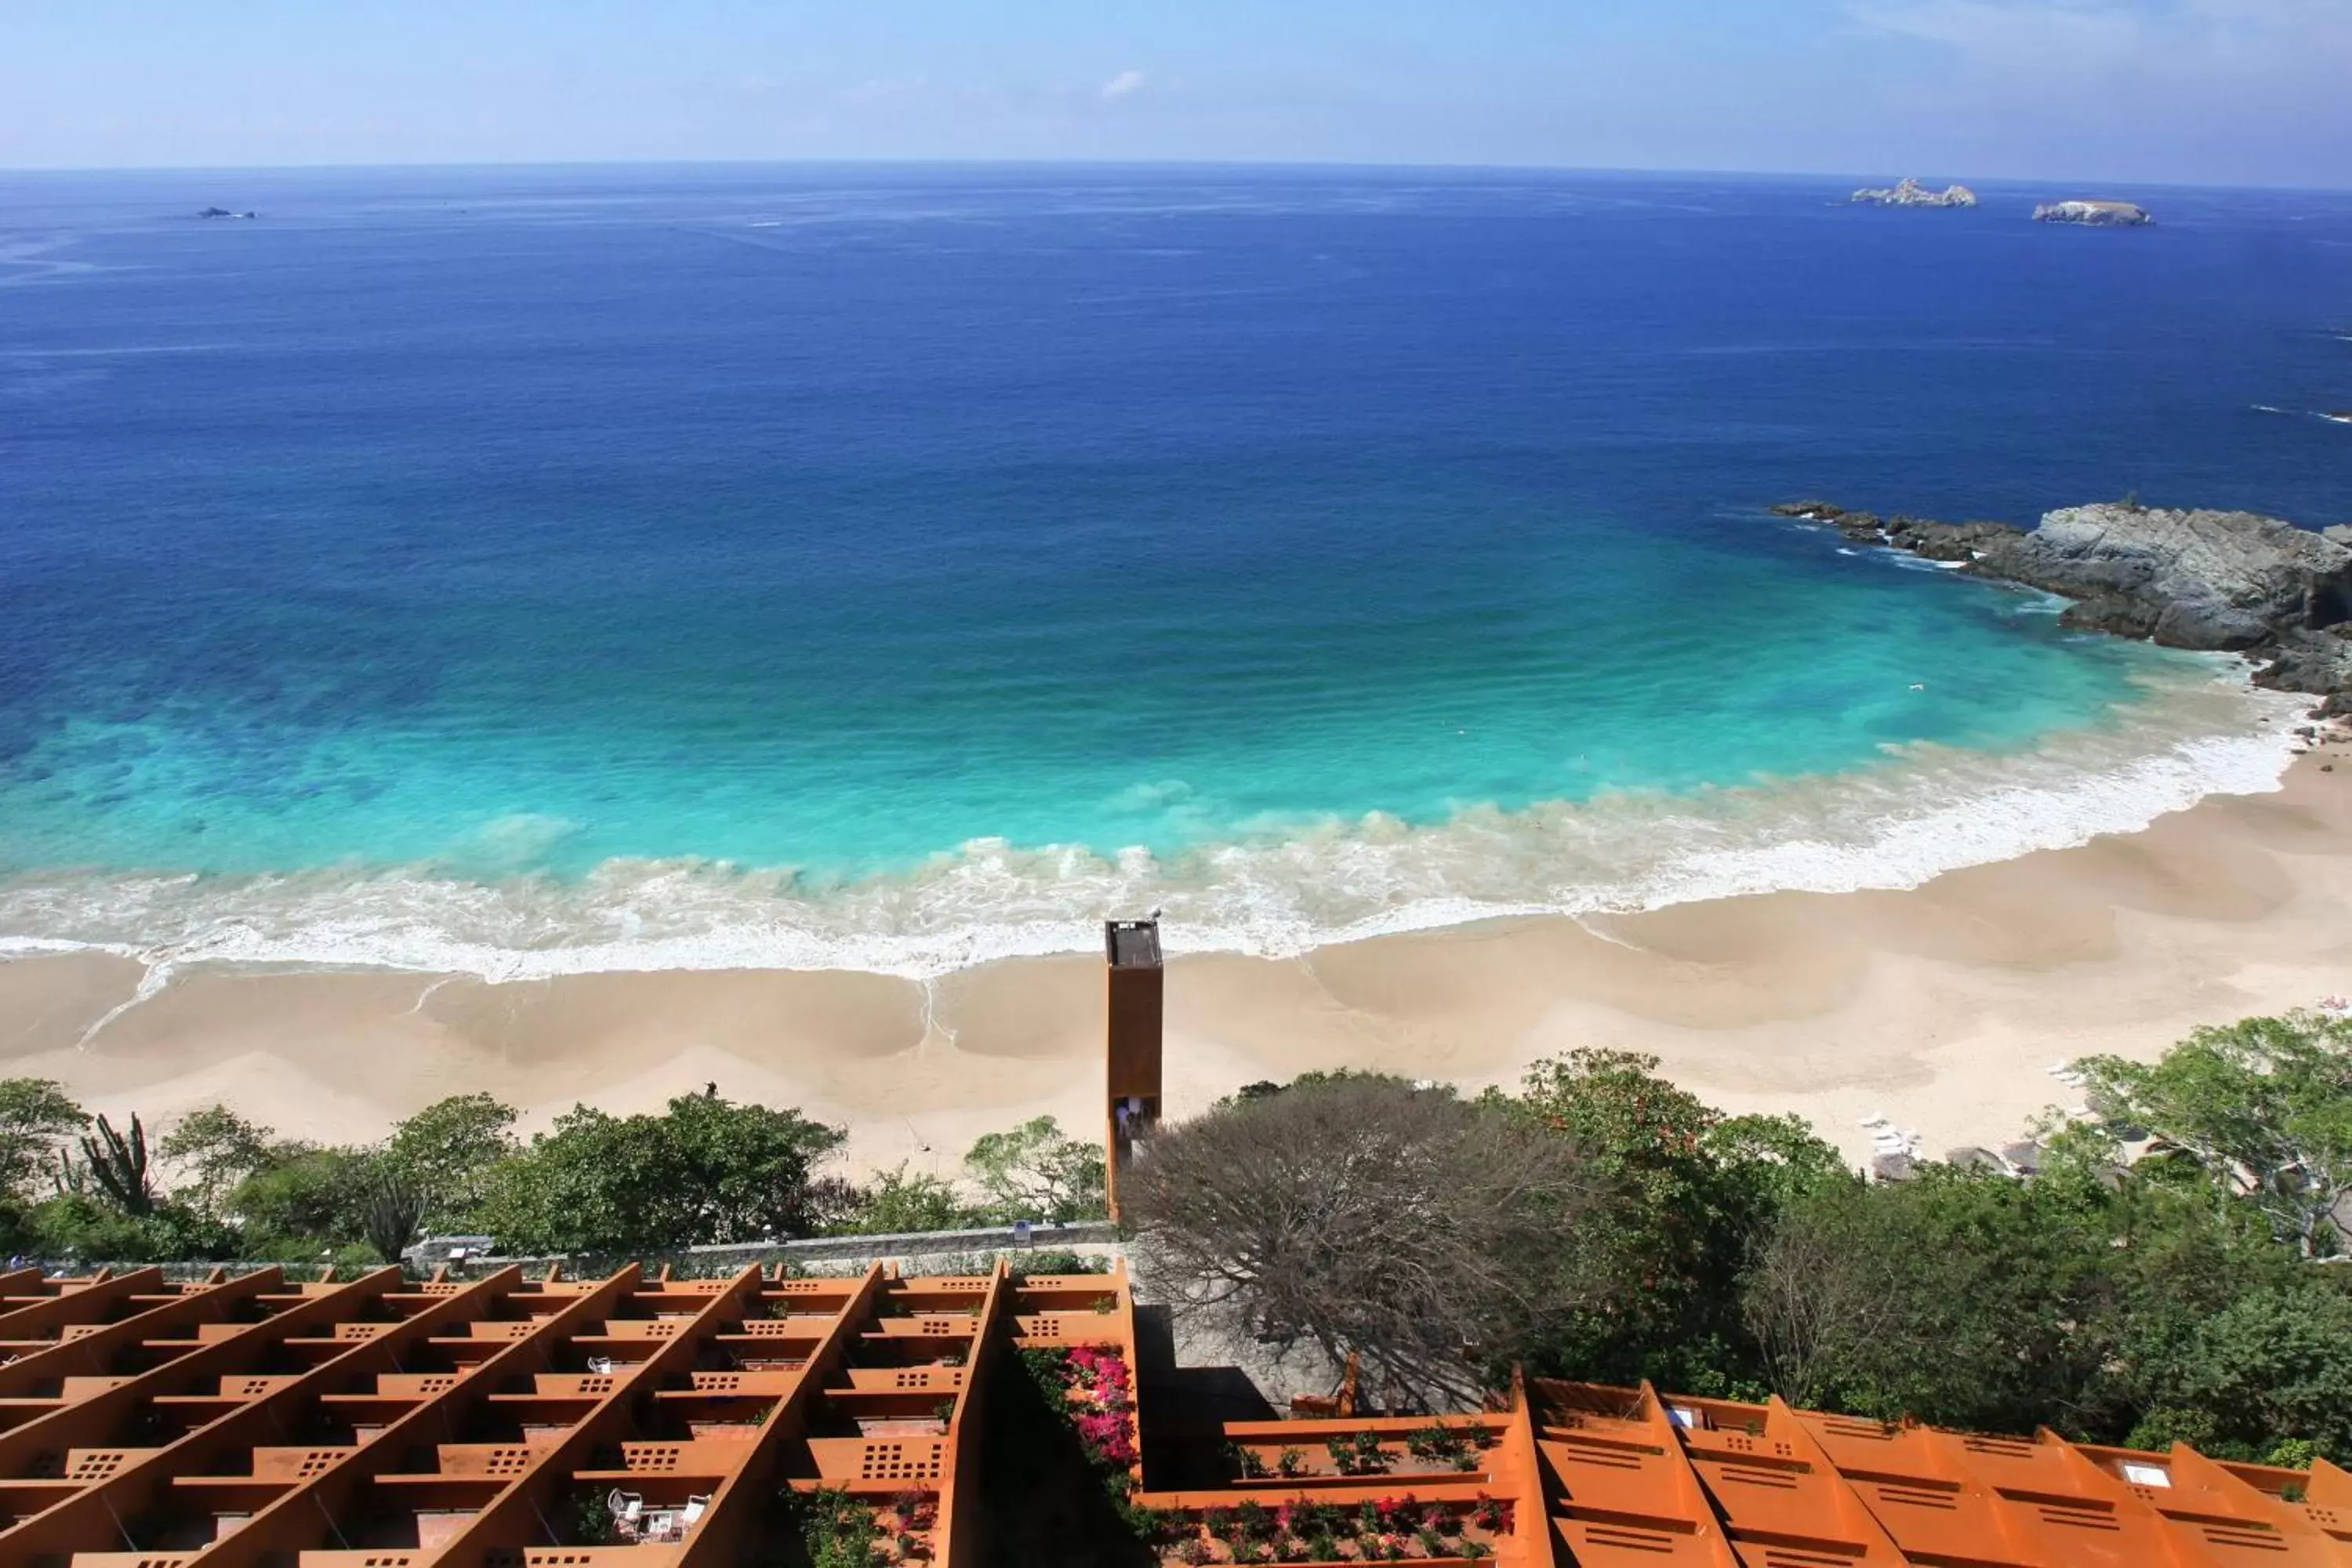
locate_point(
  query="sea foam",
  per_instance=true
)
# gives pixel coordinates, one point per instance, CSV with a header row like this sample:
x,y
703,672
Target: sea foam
x,y
1923,811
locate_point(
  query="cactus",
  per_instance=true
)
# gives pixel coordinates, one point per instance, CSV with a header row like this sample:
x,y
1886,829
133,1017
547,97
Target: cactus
x,y
118,1165
393,1212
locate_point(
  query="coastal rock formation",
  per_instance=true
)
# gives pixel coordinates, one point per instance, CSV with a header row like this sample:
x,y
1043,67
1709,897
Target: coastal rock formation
x,y
2219,581
1916,535
1910,192
2099,215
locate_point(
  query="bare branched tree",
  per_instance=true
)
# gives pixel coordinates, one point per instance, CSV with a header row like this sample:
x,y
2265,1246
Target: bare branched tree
x,y
1818,1287
1424,1233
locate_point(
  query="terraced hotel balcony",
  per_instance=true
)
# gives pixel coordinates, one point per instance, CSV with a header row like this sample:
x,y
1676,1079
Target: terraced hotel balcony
x,y
647,1422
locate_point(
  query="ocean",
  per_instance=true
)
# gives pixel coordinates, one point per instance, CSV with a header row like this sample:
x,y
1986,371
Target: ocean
x,y
534,570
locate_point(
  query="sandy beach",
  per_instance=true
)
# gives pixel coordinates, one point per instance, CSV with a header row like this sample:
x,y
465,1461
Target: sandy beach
x,y
1939,1006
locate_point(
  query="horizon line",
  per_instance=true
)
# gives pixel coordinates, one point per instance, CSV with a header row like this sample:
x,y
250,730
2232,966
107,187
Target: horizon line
x,y
1161,165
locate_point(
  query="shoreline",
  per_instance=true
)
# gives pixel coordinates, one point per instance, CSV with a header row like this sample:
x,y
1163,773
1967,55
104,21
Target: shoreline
x,y
1939,1005
2196,726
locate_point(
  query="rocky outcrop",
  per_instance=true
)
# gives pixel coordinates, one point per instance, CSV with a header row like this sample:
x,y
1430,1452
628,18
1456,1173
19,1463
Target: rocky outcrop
x,y
1918,535
2219,581
2099,214
1912,193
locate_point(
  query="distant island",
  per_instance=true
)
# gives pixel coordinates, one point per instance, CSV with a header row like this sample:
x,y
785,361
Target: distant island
x,y
2099,215
224,212
1912,193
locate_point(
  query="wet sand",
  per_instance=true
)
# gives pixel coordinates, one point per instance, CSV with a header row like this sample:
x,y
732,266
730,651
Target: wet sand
x,y
1939,1006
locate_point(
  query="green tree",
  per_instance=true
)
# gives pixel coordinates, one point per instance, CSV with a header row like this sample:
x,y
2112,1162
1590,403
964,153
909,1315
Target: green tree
x,y
37,1116
85,1226
708,1170
1960,1297
2274,1366
900,1201
1690,1190
305,1200
217,1149
447,1153
1037,1171
2263,1107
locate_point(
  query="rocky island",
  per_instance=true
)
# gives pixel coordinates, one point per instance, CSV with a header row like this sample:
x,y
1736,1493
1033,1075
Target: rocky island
x,y
2221,581
2097,215
224,212
1912,193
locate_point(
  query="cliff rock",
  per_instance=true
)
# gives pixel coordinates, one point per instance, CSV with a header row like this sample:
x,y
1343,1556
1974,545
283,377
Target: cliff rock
x,y
2216,580
2221,581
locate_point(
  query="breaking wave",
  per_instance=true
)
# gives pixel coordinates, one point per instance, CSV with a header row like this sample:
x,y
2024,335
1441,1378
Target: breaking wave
x,y
1917,813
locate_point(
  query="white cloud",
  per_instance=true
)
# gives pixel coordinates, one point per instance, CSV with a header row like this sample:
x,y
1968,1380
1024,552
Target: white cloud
x,y
1126,84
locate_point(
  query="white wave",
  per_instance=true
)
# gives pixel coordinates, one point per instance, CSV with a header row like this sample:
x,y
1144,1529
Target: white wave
x,y
1926,810
117,351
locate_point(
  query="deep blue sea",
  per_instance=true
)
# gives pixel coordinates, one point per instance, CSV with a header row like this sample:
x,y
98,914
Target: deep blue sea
x,y
537,569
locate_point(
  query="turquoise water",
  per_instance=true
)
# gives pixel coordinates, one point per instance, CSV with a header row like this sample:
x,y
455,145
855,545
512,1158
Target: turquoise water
x,y
896,568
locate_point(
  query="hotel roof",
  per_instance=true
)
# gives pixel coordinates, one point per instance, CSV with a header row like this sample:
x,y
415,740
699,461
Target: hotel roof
x,y
384,1422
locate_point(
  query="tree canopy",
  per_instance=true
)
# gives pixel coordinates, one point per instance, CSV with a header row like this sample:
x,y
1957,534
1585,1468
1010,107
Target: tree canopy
x,y
1037,1172
37,1116
1368,1216
1739,1255
2263,1107
706,1170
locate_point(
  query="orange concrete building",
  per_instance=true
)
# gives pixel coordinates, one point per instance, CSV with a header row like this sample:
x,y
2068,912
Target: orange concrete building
x,y
382,1423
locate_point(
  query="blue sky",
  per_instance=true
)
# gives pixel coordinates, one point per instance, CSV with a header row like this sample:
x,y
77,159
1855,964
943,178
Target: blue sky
x,y
2250,91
